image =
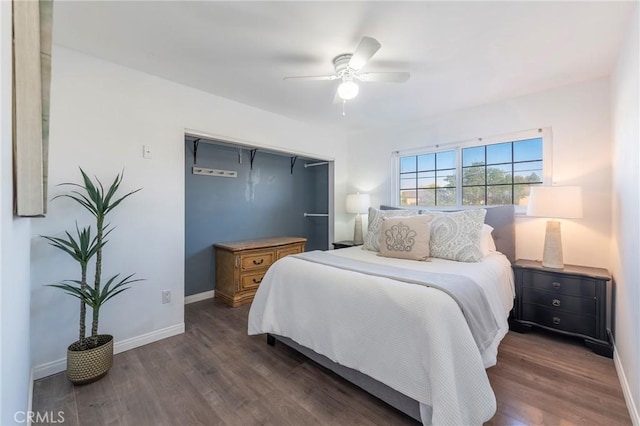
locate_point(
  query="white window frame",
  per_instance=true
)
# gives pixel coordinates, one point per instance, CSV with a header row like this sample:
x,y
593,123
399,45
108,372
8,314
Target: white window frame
x,y
547,161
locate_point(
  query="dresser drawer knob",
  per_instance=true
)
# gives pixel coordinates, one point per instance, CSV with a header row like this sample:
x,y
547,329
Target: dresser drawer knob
x,y
257,281
555,302
556,284
556,320
256,262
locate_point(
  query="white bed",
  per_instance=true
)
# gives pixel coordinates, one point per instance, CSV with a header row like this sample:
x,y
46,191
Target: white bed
x,y
412,338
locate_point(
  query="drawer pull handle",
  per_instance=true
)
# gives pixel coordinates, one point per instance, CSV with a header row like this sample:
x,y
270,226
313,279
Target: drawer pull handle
x,y
555,302
556,284
255,262
556,320
255,281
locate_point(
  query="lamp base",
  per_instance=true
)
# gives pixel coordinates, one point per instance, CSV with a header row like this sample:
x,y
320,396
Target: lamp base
x,y
357,231
552,255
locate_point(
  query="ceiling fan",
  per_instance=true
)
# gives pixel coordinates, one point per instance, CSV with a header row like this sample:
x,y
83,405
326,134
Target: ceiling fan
x,y
348,66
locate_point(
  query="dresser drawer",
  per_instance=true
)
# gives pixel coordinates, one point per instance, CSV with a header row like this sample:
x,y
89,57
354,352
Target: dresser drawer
x,y
257,260
561,284
251,280
559,320
282,252
559,302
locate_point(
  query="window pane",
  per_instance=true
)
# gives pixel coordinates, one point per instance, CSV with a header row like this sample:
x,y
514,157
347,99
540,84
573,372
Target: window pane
x,y
426,197
408,181
408,197
499,153
530,171
473,156
446,160
407,164
497,195
473,176
499,174
427,162
473,196
521,194
446,197
446,178
527,150
426,179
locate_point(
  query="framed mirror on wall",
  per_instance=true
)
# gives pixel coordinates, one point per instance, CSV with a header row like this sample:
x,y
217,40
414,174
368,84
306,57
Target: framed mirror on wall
x,y
32,29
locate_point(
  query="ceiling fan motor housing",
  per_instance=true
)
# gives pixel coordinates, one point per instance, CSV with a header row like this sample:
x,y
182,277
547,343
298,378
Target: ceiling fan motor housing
x,y
341,65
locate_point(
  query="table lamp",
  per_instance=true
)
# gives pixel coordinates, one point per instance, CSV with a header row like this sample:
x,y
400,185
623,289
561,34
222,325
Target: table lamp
x,y
554,202
357,204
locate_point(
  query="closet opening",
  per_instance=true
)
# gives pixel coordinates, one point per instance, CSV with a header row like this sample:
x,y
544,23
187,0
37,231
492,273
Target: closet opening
x,y
236,192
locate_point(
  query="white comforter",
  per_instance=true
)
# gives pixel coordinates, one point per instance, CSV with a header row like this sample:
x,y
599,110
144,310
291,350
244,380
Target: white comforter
x,y
410,337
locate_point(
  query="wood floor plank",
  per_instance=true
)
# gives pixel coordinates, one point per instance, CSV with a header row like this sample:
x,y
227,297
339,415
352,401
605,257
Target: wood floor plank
x,y
215,374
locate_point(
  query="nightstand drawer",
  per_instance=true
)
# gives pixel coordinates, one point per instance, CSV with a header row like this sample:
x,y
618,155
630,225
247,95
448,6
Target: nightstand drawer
x,y
557,283
573,323
561,302
256,260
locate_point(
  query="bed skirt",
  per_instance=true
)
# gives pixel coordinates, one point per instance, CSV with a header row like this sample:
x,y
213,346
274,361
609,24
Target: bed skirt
x,y
401,402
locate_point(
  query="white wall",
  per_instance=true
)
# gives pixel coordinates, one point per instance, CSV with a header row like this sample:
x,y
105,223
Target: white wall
x,y
579,116
15,362
626,211
101,115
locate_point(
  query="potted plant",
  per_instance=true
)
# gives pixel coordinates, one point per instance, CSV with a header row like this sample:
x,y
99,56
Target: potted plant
x,y
90,358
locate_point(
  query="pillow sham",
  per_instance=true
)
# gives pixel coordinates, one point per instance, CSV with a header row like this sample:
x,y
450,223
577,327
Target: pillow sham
x,y
405,237
456,235
487,243
372,239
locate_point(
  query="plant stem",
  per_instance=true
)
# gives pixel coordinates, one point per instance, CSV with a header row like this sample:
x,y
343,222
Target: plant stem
x,y
83,305
96,283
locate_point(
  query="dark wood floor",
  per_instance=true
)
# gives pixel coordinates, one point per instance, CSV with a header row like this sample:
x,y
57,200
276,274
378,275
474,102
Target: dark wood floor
x,y
216,374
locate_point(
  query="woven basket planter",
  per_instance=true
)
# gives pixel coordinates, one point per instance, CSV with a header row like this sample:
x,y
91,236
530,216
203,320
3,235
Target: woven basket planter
x,y
86,366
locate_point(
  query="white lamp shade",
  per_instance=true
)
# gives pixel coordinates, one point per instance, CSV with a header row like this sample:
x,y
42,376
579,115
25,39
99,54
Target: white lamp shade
x,y
558,202
358,203
348,90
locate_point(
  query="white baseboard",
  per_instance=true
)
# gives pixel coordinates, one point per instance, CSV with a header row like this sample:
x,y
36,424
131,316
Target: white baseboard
x,y
59,365
198,297
626,390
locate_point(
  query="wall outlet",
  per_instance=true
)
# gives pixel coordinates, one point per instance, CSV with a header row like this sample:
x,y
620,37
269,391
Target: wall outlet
x,y
166,296
146,152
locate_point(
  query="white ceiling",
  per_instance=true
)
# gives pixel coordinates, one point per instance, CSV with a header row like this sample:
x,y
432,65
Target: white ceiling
x,y
459,54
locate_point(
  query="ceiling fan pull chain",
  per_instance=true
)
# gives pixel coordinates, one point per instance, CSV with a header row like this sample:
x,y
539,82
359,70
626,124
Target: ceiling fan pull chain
x,y
344,103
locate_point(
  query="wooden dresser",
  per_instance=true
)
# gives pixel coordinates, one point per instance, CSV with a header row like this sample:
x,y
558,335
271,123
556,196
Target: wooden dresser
x,y
241,265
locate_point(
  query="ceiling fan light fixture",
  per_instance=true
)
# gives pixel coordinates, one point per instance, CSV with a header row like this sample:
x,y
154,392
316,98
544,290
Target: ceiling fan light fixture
x,y
348,90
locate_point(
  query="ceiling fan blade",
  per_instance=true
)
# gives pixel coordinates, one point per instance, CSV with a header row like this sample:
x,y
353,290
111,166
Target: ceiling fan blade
x,y
391,77
313,78
366,49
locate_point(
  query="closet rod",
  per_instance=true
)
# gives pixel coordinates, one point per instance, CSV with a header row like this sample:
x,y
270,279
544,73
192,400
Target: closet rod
x,y
315,214
315,164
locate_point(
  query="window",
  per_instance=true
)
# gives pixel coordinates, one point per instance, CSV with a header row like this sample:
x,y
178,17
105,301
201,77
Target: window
x,y
471,174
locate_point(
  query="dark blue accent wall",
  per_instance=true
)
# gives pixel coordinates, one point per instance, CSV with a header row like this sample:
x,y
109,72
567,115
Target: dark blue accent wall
x,y
266,202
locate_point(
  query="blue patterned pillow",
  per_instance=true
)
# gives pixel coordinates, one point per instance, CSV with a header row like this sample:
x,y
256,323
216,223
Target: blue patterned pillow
x,y
456,235
372,239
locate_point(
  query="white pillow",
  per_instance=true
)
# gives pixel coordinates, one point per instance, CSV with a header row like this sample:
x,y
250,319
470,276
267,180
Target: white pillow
x,y
456,235
372,239
487,243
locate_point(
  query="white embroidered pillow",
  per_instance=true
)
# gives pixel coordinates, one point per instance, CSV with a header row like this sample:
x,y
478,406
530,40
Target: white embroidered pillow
x,y
406,237
372,239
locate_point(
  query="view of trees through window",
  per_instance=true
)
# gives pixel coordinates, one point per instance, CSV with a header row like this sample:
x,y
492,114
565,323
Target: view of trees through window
x,y
491,175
